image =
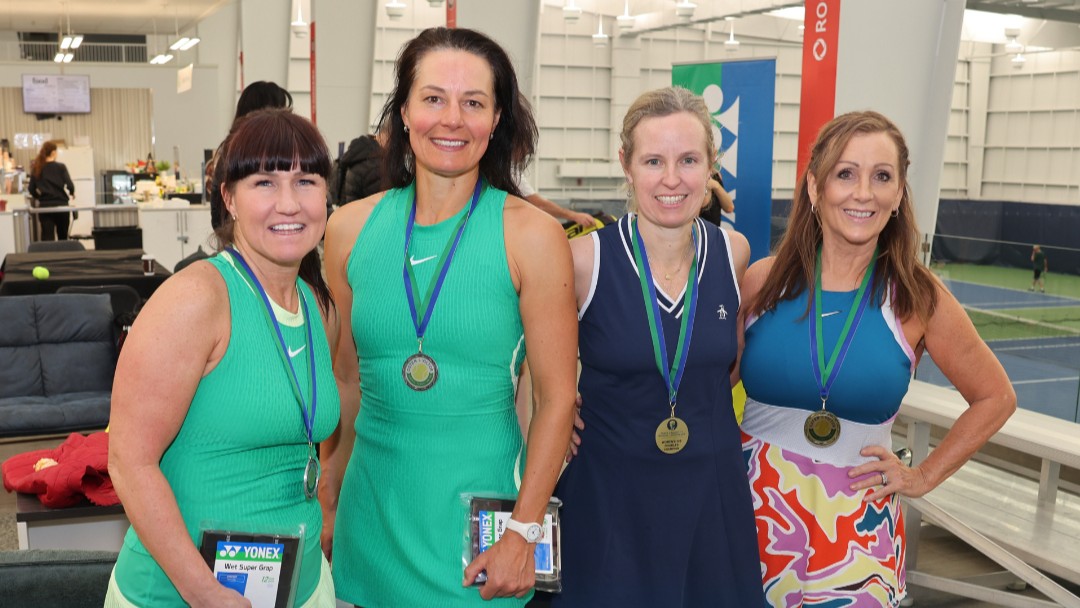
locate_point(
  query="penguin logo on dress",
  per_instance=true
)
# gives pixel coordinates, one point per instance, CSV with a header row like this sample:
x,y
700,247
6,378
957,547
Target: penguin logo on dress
x,y
722,313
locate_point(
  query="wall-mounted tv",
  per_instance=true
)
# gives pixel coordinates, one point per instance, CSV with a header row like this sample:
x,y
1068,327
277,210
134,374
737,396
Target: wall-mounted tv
x,y
54,94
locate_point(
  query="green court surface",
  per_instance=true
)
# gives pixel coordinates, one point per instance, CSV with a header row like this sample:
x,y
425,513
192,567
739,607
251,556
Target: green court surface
x,y
1065,285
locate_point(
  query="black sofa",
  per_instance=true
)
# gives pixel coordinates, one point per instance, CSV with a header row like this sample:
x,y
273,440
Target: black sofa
x,y
55,578
57,359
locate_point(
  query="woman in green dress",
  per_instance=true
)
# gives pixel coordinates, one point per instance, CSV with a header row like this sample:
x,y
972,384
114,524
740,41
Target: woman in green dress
x,y
444,283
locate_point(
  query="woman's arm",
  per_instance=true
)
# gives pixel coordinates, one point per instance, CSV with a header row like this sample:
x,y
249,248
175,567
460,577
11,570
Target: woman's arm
x,y
70,185
179,336
540,262
976,373
749,285
342,230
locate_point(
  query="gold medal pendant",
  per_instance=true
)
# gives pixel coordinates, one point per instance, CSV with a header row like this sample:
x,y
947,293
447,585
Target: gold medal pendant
x,y
420,372
672,435
822,428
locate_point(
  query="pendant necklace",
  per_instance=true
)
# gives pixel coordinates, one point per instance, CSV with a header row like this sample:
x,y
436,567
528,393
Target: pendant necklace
x,y
312,470
672,434
420,371
822,427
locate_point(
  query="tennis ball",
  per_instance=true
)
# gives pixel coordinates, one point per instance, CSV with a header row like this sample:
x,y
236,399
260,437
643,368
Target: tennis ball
x,y
41,273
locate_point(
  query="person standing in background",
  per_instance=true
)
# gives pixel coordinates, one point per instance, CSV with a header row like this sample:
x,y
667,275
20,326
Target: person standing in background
x,y
1040,266
51,185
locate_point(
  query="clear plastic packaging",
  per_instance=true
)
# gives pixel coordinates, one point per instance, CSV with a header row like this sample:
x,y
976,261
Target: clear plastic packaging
x,y
485,524
262,566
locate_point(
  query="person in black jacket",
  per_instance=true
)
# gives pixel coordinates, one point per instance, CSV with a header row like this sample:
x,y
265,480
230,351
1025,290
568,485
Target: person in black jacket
x,y
51,185
357,174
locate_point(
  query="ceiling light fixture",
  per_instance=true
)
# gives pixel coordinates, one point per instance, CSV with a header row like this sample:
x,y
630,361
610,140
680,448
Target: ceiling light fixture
x,y
685,10
600,39
299,26
395,10
69,41
1018,61
731,45
626,21
182,43
571,12
159,58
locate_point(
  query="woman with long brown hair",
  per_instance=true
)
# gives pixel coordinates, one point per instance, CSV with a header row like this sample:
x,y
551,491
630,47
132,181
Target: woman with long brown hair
x,y
835,324
51,185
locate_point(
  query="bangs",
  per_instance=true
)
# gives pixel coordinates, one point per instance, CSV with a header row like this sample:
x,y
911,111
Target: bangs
x,y
276,140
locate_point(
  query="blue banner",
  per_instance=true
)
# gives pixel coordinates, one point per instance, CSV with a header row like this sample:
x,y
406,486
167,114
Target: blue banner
x,y
741,97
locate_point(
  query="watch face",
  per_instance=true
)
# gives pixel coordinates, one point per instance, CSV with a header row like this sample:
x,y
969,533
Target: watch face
x,y
534,533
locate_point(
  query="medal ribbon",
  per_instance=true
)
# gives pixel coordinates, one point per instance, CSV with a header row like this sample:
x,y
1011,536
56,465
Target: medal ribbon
x,y
673,374
825,374
309,419
435,286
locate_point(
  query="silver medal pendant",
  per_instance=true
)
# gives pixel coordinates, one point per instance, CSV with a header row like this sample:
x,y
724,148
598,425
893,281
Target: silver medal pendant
x,y
312,471
420,372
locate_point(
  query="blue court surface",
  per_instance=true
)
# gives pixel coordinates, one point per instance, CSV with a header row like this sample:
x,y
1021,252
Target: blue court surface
x,y
1045,371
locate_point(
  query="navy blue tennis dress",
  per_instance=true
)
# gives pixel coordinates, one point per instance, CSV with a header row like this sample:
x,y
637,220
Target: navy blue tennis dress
x,y
641,527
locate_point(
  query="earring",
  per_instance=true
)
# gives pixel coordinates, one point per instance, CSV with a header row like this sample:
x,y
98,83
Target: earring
x,y
406,128
491,135
813,209
895,212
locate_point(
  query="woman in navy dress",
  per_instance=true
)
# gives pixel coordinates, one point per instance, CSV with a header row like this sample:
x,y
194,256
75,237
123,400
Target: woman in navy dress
x,y
657,511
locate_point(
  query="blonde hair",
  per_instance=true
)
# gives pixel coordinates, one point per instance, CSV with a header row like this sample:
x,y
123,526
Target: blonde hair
x,y
665,102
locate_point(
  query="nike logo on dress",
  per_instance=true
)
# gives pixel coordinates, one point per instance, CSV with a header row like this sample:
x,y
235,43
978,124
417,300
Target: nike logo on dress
x,y
293,353
414,261
829,314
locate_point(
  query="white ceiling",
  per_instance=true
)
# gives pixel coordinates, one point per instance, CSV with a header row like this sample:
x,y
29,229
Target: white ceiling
x,y
141,16
104,16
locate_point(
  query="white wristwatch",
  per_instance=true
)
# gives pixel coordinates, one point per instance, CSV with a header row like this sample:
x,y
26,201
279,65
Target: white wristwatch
x,y
532,532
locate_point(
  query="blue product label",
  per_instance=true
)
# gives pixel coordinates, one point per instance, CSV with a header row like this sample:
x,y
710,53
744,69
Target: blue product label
x,y
237,581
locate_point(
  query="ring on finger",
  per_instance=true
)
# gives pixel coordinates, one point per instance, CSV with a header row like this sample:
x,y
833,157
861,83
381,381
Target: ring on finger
x,y
884,479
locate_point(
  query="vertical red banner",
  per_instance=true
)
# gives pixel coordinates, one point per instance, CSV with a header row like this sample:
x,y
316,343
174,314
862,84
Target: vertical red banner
x,y
451,14
817,102
311,51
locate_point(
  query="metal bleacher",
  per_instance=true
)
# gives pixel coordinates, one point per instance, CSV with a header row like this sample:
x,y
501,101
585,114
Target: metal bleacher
x,y
1027,523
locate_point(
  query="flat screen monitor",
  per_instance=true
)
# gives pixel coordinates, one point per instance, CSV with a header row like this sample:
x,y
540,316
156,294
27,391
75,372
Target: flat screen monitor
x,y
55,94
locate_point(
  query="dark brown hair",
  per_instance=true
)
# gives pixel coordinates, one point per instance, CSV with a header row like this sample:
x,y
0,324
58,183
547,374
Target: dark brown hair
x,y
912,285
274,140
514,138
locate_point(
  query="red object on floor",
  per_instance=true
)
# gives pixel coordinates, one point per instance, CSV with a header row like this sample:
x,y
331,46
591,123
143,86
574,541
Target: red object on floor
x,y
81,469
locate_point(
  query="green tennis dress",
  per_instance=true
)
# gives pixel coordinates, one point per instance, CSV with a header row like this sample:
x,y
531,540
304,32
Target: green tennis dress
x,y
400,528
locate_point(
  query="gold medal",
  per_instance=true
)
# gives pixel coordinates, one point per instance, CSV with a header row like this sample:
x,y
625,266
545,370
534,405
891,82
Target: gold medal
x,y
672,435
822,428
420,372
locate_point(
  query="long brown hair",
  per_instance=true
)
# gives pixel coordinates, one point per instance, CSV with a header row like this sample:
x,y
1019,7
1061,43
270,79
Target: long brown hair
x,y
912,286
39,161
274,140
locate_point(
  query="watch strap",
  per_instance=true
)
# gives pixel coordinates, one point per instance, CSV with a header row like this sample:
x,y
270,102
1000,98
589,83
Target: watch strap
x,y
531,532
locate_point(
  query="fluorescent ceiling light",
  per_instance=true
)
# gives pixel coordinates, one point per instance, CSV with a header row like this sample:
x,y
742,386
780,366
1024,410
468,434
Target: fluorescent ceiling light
x,y
68,57
65,44
59,58
76,41
795,13
190,43
179,43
